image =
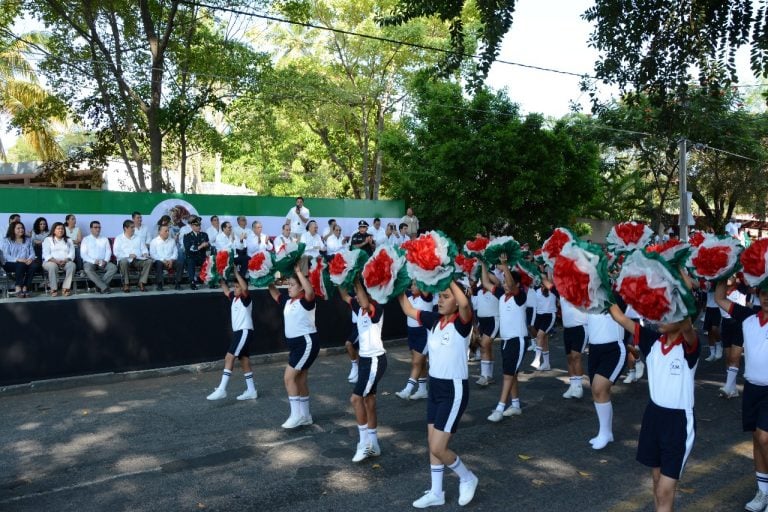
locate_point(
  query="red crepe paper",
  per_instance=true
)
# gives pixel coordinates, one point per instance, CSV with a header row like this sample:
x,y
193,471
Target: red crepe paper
x,y
338,264
629,232
256,261
649,302
222,262
478,244
421,252
571,283
466,264
537,253
710,260
555,243
753,258
379,270
664,246
696,239
525,279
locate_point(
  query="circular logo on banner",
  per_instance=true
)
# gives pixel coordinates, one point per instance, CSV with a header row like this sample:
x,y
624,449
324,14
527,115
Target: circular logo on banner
x,y
177,209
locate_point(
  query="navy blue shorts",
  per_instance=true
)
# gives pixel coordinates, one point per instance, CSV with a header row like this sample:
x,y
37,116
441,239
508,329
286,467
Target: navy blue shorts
x,y
666,439
529,316
544,322
512,351
489,325
303,351
606,359
754,408
731,333
712,318
417,339
241,343
370,371
446,403
353,336
574,339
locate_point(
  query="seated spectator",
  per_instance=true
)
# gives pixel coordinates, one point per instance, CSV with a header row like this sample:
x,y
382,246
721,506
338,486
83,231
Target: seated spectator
x,y
14,217
328,231
335,242
59,254
165,254
283,238
378,232
74,234
39,233
312,240
213,232
226,240
19,257
241,232
399,237
131,252
144,233
196,245
257,240
96,254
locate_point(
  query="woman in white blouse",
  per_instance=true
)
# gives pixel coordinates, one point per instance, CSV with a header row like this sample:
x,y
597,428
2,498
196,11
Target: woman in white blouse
x,y
59,254
74,234
312,240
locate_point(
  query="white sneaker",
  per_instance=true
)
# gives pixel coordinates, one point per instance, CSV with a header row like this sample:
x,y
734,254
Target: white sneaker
x,y
306,420
532,347
403,393
218,394
545,367
352,377
496,416
758,503
293,422
248,395
536,363
484,381
578,391
711,356
718,351
512,411
729,393
361,453
467,490
430,500
568,392
420,394
374,450
631,377
601,442
639,370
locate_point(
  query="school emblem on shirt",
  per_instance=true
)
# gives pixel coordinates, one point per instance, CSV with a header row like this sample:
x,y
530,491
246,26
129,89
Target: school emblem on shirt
x,y
676,367
365,322
445,338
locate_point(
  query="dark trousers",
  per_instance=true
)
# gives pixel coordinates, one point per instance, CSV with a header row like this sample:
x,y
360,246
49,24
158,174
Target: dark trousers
x,y
22,272
191,264
159,271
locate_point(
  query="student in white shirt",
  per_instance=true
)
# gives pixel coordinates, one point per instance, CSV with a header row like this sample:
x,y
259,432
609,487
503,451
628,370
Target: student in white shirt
x,y
96,254
165,254
488,294
447,344
544,322
132,252
416,387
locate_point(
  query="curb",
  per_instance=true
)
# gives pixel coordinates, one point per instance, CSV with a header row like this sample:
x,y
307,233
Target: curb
x,y
77,381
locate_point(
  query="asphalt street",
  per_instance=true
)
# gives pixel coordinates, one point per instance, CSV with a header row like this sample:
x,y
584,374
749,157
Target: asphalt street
x,y
156,444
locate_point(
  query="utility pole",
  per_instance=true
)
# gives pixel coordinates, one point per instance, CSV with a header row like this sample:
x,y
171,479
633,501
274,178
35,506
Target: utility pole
x,y
684,207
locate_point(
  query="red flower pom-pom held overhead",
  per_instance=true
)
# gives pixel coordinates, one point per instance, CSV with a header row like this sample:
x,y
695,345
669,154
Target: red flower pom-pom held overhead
x,y
338,264
716,258
256,261
421,252
755,263
430,261
628,236
476,247
378,270
384,274
554,244
581,277
572,283
650,303
697,238
222,261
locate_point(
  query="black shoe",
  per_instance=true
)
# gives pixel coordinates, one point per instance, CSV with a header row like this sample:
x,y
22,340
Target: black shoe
x,y
177,287
193,286
159,288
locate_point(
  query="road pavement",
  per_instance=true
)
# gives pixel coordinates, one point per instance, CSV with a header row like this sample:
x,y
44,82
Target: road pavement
x,y
156,444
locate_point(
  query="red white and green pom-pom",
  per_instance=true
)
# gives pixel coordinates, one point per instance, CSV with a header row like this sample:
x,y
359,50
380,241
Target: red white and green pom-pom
x,y
208,271
287,256
430,261
673,251
755,262
529,273
615,261
218,266
475,248
345,266
538,257
320,279
261,269
502,245
385,275
716,258
628,236
554,244
581,276
654,288
467,266
697,238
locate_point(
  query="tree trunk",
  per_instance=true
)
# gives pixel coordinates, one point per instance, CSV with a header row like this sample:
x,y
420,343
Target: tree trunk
x,y
379,157
183,147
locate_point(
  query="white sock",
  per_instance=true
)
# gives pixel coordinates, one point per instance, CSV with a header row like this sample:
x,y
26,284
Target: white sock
x,y
422,384
711,349
478,354
515,403
225,379
410,386
461,470
545,355
249,381
372,437
632,373
605,418
304,405
500,406
730,377
762,481
363,431
485,368
354,364
538,354
295,406
437,471
575,382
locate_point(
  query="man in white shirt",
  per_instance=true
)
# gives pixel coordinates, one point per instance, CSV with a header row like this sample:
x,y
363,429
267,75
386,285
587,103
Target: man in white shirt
x,y
298,217
241,232
96,253
165,253
142,232
732,228
257,240
378,232
131,252
410,220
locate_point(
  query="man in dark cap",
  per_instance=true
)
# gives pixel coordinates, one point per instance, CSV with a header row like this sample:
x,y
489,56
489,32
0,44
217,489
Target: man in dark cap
x,y
362,240
196,245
